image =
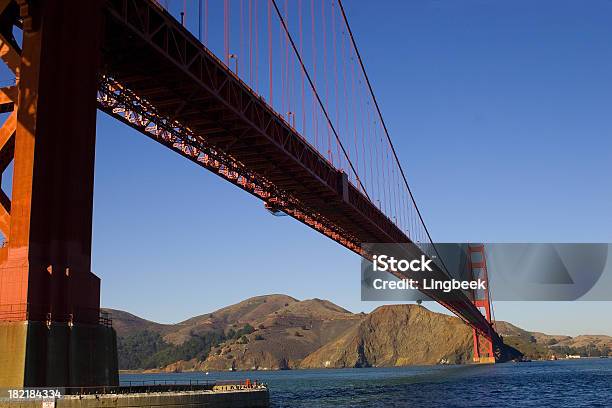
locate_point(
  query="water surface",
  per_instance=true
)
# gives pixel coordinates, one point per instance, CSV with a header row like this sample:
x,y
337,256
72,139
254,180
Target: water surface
x,y
567,383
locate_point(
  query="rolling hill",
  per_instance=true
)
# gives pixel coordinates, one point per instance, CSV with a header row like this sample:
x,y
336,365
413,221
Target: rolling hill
x,y
280,332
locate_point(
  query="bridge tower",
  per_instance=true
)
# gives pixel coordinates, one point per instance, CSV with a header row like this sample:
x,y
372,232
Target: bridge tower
x,y
50,331
477,264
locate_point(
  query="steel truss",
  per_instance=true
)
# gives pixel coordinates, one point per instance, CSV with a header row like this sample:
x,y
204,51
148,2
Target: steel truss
x,y
124,105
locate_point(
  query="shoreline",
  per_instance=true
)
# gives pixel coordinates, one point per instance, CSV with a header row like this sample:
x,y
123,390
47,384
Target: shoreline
x,y
162,371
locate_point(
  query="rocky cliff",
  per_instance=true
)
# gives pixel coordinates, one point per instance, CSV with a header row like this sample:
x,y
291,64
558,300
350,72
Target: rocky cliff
x,y
395,336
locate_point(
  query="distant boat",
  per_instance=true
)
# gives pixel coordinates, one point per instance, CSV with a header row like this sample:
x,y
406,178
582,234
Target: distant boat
x,y
521,360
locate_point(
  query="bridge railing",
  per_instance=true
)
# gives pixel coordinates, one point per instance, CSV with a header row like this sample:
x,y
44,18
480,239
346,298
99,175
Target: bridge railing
x,y
147,386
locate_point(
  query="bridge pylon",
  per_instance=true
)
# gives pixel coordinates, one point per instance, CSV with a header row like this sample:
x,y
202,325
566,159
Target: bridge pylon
x,y
483,342
50,330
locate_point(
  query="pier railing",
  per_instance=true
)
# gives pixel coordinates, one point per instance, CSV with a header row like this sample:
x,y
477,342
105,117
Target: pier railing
x,y
147,386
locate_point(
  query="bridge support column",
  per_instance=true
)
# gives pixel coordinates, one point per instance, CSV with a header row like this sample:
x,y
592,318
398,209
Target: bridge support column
x,y
50,333
477,263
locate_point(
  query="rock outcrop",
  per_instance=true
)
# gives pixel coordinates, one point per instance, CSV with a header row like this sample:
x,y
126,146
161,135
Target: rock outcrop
x,y
395,336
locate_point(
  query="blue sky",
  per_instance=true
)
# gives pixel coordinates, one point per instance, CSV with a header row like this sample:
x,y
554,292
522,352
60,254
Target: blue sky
x,y
500,112
501,115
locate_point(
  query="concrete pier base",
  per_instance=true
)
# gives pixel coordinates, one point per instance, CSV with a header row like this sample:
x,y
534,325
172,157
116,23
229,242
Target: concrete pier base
x,y
57,354
484,360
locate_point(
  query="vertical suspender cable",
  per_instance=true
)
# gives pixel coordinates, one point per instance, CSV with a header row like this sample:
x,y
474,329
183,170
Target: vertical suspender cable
x,y
200,20
256,23
302,73
270,49
250,44
206,21
372,179
324,22
347,103
336,96
285,71
226,31
315,124
291,76
241,47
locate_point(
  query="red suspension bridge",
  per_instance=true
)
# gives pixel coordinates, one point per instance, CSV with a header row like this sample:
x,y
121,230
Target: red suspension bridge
x,y
270,95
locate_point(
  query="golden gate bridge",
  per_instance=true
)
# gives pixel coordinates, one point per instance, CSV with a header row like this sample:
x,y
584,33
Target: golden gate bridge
x,y
270,95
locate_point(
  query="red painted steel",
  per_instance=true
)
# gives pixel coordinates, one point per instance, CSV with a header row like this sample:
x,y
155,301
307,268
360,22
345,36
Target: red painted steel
x,y
477,261
45,263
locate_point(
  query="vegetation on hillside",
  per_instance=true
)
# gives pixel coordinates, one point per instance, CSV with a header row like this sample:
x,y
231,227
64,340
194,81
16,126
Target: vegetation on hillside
x,y
538,346
528,346
586,351
146,349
